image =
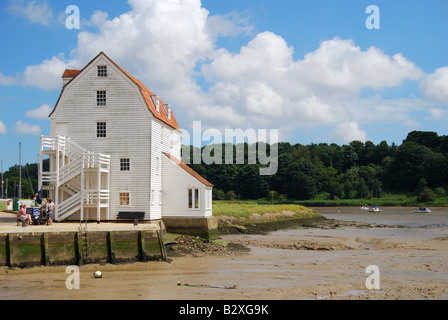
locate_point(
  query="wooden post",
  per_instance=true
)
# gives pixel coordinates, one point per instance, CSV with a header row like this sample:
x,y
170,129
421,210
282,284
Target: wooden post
x,y
78,248
161,245
141,246
44,249
10,255
111,248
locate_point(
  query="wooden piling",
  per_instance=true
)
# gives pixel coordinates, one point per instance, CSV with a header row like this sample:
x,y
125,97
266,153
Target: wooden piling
x,y
44,250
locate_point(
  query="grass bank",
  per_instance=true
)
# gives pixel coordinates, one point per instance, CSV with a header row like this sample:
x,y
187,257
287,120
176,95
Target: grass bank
x,y
388,200
251,217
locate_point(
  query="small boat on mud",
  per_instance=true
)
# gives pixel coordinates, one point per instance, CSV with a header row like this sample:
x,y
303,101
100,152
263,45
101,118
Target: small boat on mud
x,y
374,209
422,210
370,209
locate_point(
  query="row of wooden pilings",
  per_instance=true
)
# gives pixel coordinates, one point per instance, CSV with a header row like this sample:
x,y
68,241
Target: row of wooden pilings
x,y
80,247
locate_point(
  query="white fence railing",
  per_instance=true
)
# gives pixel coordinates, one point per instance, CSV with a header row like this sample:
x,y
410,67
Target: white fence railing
x,y
65,145
94,197
68,207
79,159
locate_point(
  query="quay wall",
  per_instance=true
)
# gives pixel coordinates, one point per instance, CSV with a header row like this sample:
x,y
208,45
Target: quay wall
x,y
27,249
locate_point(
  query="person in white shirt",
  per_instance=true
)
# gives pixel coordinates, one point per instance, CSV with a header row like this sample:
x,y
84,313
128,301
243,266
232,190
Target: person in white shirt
x,y
50,207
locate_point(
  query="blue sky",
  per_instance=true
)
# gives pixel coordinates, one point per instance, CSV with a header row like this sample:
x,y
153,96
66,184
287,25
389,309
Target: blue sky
x,y
308,68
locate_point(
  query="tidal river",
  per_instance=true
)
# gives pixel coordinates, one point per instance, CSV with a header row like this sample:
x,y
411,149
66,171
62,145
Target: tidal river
x,y
409,253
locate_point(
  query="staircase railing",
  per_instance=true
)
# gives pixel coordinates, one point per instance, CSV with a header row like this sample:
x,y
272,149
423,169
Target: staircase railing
x,y
79,159
69,207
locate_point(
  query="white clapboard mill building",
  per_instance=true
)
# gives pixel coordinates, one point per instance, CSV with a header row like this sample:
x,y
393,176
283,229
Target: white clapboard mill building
x,y
114,150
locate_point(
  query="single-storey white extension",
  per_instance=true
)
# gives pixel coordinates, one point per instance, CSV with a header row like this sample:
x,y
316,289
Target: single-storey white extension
x,y
114,152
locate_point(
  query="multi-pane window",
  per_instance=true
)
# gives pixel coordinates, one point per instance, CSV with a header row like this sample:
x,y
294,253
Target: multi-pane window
x,y
125,164
101,130
124,199
102,71
101,98
193,198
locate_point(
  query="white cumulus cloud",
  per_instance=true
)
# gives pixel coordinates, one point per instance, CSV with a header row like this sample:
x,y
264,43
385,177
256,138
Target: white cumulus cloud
x,y
435,86
7,80
3,129
170,44
40,113
47,75
348,132
24,128
34,11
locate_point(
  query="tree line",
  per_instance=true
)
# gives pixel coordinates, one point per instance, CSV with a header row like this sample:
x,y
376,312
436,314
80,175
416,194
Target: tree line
x,y
419,166
29,181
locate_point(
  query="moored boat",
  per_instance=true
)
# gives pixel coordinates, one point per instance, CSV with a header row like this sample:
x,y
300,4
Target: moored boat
x,y
374,209
422,210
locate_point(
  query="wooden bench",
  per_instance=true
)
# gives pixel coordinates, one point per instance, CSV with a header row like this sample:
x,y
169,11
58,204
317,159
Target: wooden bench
x,y
130,216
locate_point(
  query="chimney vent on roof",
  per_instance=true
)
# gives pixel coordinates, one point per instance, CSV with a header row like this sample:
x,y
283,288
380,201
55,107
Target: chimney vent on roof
x,y
68,75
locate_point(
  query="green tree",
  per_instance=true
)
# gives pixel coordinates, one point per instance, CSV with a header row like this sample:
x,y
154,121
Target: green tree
x,y
427,195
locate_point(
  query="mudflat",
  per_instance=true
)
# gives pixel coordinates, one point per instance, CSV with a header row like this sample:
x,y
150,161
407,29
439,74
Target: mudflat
x,y
325,259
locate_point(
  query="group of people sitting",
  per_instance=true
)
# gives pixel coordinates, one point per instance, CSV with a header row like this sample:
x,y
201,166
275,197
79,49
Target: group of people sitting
x,y
24,217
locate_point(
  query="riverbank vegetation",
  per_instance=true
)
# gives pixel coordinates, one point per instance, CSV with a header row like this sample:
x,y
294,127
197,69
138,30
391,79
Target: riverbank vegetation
x,y
409,174
252,217
247,209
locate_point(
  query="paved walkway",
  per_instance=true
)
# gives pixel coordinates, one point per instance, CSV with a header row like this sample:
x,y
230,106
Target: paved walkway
x,y
8,224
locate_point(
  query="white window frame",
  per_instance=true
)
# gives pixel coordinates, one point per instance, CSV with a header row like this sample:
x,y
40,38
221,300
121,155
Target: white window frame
x,y
120,194
123,164
157,103
195,199
97,129
208,199
101,101
102,73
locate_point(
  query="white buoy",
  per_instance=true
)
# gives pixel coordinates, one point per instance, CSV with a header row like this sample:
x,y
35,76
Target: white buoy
x,y
97,274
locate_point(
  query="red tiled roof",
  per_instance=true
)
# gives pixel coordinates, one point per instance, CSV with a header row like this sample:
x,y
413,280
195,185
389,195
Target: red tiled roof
x,y
146,93
189,170
71,73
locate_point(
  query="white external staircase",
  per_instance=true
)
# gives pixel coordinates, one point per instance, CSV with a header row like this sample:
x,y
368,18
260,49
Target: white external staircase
x,y
78,179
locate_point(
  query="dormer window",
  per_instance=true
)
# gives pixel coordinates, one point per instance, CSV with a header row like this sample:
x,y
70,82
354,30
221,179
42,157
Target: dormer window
x,y
156,102
167,109
102,71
